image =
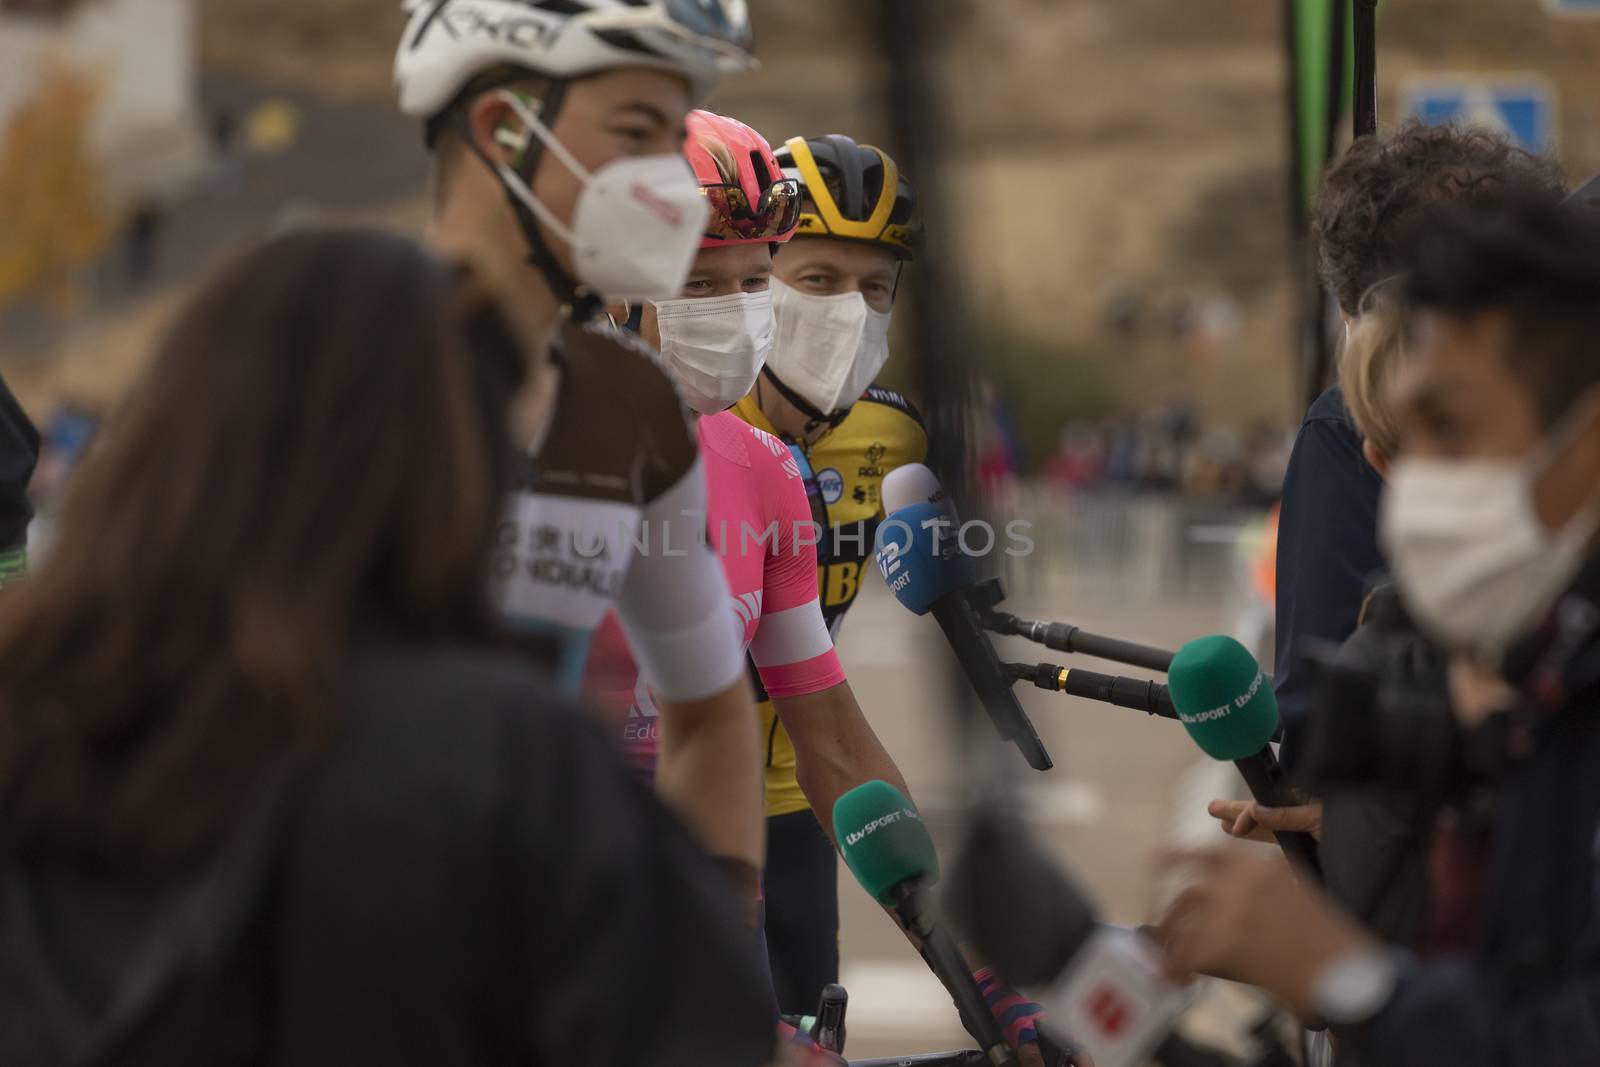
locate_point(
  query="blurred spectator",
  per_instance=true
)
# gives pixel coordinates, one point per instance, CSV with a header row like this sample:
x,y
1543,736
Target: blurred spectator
x,y
1124,305
67,438
1267,450
1493,523
268,792
142,241
997,447
227,164
1212,329
1122,453
1170,449
1079,459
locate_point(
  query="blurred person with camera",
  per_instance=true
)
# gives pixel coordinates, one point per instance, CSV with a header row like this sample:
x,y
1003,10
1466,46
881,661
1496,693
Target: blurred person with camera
x,y
1492,522
556,127
1327,542
1327,527
271,791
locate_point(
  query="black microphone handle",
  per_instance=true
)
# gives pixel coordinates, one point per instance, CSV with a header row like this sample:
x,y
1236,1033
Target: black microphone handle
x,y
946,963
1148,697
1265,779
1064,637
1152,698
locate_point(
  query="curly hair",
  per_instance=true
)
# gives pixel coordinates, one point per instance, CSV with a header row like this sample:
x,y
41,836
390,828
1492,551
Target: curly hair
x,y
1382,183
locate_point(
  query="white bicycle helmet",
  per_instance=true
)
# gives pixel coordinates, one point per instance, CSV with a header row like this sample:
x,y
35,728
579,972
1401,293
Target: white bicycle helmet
x,y
449,42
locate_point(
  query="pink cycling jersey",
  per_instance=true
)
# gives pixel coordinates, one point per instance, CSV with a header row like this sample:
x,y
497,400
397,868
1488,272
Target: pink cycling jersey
x,y
760,527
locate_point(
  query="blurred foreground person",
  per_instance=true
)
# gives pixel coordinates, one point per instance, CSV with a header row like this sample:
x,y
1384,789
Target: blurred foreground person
x,y
267,794
555,127
1328,522
1492,522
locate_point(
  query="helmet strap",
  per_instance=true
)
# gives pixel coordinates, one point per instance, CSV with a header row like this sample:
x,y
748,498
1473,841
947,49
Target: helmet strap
x,y
581,303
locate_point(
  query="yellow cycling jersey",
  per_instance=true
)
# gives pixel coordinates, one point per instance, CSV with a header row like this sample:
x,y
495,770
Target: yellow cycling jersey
x,y
843,472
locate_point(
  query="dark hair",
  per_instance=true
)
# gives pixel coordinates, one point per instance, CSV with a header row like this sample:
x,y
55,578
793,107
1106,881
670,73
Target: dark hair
x,y
1381,182
308,451
1537,263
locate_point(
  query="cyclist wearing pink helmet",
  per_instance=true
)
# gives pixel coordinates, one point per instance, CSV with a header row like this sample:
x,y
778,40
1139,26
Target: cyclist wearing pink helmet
x,y
715,338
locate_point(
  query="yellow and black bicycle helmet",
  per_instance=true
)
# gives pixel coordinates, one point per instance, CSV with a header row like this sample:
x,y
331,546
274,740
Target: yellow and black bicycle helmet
x,y
854,192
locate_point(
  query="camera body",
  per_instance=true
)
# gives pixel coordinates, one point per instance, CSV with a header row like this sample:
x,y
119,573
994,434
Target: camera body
x,y
1381,712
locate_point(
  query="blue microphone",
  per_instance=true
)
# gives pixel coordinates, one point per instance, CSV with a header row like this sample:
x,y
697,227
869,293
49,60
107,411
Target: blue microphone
x,y
919,555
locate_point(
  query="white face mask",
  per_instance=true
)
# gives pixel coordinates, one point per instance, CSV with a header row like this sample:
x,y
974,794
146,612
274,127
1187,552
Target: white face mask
x,y
1475,565
716,346
638,223
828,348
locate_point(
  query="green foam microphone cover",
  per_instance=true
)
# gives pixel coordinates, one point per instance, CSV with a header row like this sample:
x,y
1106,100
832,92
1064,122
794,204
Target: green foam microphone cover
x,y
882,838
1222,698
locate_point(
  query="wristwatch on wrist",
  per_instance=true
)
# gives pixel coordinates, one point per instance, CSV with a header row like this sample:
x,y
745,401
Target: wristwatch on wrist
x,y
1355,986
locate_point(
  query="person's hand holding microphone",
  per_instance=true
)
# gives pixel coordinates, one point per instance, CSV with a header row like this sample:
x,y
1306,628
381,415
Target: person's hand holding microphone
x,y
1251,820
1247,916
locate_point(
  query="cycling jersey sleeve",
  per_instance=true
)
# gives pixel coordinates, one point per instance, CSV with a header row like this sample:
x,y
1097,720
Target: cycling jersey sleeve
x,y
673,605
792,648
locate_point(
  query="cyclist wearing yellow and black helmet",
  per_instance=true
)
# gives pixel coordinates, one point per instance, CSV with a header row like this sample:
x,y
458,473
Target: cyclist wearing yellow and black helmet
x,y
833,292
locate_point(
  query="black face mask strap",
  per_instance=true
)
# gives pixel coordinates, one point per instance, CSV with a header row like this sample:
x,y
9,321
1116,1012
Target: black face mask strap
x,y
582,304
806,407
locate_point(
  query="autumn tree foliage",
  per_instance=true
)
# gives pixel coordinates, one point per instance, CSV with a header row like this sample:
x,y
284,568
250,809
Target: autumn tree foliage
x,y
52,218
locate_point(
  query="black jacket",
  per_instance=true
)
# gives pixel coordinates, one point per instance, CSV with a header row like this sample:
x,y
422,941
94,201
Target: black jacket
x,y
1375,838
1327,549
1529,996
473,878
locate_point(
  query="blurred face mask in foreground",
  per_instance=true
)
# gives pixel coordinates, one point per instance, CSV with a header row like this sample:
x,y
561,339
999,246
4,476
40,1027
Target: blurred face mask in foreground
x,y
638,222
828,348
1475,565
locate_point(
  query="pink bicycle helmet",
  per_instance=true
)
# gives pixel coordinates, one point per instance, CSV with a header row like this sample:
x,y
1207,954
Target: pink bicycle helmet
x,y
751,201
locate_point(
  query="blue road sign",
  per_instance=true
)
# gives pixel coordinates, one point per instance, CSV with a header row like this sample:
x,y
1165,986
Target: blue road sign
x,y
1522,107
1588,9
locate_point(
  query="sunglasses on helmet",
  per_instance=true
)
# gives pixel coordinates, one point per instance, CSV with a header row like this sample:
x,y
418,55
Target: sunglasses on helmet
x,y
733,219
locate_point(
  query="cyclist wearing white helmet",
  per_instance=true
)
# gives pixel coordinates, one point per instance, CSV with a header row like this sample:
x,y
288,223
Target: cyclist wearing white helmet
x,y
556,126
